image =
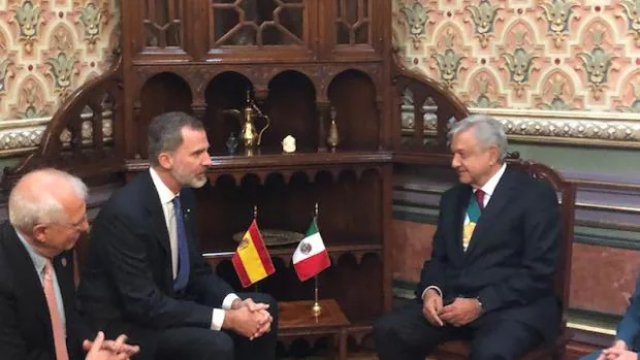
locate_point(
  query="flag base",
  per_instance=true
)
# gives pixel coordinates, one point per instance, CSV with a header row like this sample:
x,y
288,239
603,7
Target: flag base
x,y
317,309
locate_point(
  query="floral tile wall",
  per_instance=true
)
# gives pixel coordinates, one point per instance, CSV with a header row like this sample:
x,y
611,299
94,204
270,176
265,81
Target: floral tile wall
x,y
47,49
526,54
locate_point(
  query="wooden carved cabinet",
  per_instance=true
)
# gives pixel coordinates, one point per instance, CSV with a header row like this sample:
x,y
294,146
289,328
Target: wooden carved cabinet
x,y
300,30
304,62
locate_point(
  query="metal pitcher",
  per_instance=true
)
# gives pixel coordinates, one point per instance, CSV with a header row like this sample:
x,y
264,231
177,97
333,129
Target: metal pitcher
x,y
249,135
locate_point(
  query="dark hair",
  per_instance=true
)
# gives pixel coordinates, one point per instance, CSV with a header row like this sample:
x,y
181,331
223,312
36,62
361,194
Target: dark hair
x,y
165,133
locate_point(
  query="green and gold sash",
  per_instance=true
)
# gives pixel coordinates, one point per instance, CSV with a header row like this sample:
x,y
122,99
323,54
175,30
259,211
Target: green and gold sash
x,y
473,212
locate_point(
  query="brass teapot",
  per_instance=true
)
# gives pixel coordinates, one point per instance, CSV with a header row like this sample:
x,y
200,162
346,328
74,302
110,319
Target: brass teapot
x,y
249,135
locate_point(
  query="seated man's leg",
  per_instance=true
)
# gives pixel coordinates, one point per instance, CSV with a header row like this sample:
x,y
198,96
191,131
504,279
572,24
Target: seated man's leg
x,y
406,334
190,343
263,347
503,339
593,356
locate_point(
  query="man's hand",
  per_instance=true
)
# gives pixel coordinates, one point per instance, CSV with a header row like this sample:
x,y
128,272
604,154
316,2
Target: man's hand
x,y
613,352
461,312
248,303
114,347
255,307
99,349
245,322
431,307
618,354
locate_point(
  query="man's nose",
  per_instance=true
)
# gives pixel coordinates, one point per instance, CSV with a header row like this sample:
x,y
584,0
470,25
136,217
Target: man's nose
x,y
85,225
455,162
206,159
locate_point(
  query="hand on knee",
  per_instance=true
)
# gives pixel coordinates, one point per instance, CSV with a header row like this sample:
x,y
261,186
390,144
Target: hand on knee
x,y
247,323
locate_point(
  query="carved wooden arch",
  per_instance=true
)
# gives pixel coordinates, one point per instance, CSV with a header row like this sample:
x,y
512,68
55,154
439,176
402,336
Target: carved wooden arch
x,y
326,74
302,70
85,160
422,87
207,76
145,73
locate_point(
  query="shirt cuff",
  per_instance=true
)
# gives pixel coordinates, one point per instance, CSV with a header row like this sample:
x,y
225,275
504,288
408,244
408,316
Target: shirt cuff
x,y
228,300
217,319
437,289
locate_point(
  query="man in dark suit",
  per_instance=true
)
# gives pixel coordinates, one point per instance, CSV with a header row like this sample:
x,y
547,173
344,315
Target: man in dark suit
x,y
38,317
490,276
627,343
145,273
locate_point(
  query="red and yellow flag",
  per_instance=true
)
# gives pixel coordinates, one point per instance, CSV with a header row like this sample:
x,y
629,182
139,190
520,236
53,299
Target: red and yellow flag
x,y
252,260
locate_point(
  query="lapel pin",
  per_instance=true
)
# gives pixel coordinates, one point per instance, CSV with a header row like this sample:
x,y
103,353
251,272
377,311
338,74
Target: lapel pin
x,y
64,262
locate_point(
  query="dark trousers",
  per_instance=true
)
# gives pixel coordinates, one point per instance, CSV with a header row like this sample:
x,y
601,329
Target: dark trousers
x,y
404,334
192,343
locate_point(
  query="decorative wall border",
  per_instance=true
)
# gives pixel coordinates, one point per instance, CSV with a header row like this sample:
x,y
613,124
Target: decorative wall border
x,y
606,129
576,128
19,137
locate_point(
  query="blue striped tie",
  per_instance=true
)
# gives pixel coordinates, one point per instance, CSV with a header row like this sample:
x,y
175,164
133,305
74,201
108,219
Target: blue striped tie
x,y
182,277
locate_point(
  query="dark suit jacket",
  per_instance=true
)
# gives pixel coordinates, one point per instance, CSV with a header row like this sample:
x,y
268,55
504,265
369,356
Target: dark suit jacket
x,y
127,283
629,328
510,262
25,324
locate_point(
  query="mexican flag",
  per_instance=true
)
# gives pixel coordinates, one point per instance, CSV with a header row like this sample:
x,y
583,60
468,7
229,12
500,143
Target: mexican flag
x,y
311,257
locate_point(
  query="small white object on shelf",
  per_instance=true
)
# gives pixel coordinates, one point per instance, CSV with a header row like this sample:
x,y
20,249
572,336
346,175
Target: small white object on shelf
x,y
289,144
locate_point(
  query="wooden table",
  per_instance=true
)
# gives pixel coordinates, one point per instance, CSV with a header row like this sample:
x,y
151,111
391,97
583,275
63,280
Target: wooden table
x,y
297,319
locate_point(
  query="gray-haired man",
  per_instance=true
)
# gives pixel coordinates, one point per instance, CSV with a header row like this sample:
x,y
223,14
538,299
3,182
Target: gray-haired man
x,y
490,276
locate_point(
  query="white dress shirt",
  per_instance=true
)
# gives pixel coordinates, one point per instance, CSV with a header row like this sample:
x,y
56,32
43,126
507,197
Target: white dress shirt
x,y
39,262
489,188
166,199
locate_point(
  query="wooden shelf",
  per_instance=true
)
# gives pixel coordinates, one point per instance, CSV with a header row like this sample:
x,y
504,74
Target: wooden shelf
x,y
271,162
286,252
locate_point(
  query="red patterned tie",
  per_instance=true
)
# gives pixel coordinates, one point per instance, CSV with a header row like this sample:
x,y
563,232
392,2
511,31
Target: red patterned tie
x,y
480,198
56,324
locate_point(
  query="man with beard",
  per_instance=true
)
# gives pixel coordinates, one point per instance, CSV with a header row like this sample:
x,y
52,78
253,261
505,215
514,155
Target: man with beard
x,y
145,272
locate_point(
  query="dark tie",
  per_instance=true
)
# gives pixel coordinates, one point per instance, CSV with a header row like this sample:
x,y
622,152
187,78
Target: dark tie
x,y
480,198
182,278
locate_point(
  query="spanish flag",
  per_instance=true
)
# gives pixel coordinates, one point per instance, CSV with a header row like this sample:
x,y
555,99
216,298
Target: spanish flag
x,y
252,260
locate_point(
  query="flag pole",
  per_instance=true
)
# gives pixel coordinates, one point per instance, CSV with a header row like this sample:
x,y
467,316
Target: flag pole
x,y
255,216
317,309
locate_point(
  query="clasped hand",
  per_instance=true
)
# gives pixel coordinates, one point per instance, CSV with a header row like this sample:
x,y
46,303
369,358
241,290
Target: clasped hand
x,y
250,319
101,349
618,351
460,312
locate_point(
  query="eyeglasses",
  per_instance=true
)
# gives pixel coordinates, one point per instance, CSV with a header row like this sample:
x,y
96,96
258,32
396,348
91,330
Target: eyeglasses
x,y
78,227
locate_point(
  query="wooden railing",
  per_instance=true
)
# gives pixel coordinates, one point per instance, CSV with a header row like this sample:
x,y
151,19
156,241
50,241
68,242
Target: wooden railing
x,y
424,96
85,134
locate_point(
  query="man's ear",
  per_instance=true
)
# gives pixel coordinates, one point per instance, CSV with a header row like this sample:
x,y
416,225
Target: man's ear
x,y
494,155
165,160
39,233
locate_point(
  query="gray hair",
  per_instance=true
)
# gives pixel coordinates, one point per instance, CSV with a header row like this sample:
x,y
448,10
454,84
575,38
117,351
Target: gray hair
x,y
165,133
488,132
35,198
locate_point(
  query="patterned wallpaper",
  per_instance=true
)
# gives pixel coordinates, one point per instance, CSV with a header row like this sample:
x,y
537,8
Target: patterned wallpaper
x,y
47,49
563,70
527,54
